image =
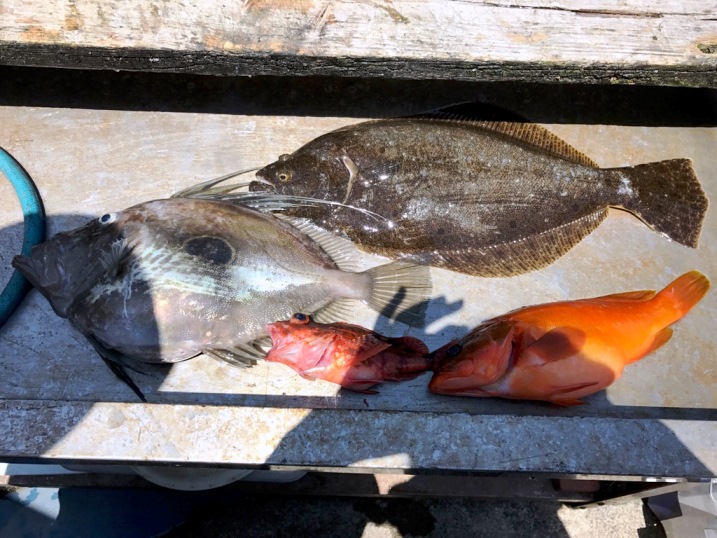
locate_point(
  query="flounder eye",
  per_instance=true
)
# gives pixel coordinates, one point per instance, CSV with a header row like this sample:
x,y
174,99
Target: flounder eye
x,y
284,176
107,218
284,157
303,318
454,350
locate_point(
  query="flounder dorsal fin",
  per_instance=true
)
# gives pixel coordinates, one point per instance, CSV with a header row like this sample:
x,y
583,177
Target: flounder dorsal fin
x,y
504,122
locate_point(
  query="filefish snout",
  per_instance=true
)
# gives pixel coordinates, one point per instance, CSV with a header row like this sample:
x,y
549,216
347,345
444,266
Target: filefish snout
x,y
62,267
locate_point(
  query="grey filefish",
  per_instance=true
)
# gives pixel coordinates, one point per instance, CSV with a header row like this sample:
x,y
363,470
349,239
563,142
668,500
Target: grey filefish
x,y
166,280
479,192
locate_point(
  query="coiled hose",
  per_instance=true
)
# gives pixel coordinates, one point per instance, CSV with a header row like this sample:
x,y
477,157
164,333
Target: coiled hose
x,y
34,215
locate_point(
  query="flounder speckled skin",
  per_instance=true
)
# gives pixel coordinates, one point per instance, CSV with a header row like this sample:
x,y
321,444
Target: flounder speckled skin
x,y
493,196
165,280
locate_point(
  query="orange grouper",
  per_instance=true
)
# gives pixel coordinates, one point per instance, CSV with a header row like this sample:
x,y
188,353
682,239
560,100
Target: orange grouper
x,y
560,352
350,355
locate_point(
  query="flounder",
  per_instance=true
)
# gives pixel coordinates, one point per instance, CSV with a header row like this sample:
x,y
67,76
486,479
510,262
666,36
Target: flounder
x,y
476,190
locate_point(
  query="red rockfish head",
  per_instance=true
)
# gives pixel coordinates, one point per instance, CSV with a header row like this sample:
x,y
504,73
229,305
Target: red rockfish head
x,y
297,341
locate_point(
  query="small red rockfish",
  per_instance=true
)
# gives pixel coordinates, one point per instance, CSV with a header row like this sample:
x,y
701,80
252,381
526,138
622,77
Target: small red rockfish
x,y
352,356
560,352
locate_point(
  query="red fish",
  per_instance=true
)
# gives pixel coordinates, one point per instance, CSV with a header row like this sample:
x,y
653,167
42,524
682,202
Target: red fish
x,y
352,356
560,352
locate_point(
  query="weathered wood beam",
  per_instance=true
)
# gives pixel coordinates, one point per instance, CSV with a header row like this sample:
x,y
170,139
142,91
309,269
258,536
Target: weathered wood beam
x,y
622,42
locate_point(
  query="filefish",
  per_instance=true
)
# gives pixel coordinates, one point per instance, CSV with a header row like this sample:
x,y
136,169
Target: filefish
x,y
476,190
349,355
561,352
168,279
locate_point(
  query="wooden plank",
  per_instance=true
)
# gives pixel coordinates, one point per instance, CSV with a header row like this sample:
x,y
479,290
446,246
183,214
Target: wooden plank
x,y
617,41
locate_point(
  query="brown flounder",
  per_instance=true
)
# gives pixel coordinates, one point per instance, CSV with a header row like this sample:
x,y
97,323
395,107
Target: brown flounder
x,y
165,280
494,196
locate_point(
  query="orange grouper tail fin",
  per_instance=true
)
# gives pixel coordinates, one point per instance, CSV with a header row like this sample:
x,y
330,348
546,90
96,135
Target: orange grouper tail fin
x,y
684,293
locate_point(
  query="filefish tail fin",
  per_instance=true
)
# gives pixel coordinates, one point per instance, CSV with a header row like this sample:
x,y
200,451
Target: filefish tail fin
x,y
681,295
400,291
667,196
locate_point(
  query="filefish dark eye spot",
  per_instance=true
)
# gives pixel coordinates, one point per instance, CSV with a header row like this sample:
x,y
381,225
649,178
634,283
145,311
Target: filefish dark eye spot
x,y
108,218
284,176
454,350
212,249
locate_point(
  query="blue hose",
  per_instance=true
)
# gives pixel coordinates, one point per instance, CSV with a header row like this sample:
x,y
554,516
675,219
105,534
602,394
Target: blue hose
x,y
34,215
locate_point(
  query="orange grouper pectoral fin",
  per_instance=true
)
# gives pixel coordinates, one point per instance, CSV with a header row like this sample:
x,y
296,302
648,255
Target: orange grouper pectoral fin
x,y
555,345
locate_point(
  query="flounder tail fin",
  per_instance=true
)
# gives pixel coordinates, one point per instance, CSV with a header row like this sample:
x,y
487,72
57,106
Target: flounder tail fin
x,y
400,291
667,196
681,295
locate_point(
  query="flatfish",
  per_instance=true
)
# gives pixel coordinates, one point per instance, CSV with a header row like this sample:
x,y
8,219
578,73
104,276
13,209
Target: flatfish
x,y
476,189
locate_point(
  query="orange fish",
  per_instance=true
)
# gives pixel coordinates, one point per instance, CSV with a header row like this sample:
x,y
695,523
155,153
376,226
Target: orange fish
x,y
560,352
349,355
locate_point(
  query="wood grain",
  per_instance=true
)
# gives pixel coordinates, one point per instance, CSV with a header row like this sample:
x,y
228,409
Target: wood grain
x,y
619,41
